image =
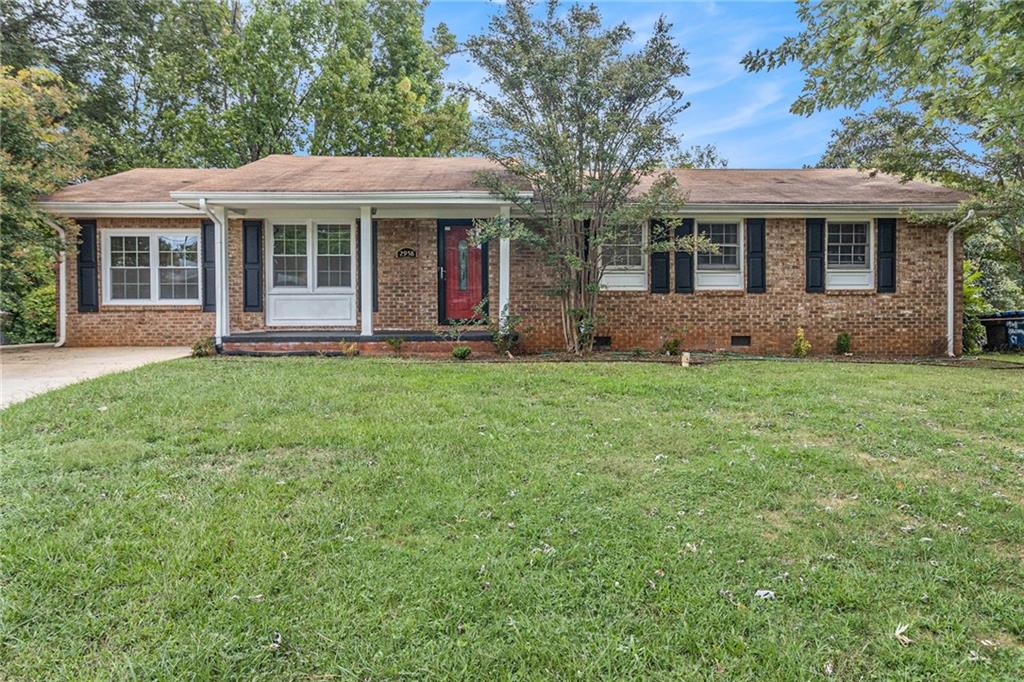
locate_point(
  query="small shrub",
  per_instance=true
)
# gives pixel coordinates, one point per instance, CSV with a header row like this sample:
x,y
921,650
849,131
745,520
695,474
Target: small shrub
x,y
843,343
507,337
395,343
203,348
461,352
637,352
350,350
671,347
801,346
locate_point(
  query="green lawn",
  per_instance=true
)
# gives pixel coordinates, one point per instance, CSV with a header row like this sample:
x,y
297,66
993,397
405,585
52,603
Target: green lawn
x,y
306,518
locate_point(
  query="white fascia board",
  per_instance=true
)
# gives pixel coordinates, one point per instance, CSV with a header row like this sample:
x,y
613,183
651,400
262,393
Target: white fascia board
x,y
95,209
813,210
343,198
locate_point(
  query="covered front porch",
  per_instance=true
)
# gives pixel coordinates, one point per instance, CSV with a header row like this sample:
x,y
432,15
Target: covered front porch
x,y
302,273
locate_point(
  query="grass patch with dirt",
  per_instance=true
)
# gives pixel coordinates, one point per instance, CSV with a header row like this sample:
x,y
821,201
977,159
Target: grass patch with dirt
x,y
306,518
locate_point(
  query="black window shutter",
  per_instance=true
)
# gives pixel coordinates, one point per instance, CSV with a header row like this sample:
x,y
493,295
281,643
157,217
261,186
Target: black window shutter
x,y
815,255
684,260
88,282
209,268
252,261
755,256
659,260
886,255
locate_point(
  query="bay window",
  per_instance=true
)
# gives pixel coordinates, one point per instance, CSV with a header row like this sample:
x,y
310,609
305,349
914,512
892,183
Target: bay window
x,y
151,267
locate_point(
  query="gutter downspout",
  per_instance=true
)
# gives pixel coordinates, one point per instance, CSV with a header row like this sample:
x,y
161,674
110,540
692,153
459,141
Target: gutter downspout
x,y
951,284
62,284
218,230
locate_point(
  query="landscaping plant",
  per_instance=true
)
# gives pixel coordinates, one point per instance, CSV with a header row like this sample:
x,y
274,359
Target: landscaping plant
x,y
801,346
843,343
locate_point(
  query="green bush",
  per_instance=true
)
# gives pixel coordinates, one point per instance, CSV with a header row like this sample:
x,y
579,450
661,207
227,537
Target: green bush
x,y
203,348
395,343
801,346
843,343
35,319
671,347
461,352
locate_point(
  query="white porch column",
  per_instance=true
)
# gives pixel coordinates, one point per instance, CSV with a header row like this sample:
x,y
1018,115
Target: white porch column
x,y
504,253
223,276
366,266
219,223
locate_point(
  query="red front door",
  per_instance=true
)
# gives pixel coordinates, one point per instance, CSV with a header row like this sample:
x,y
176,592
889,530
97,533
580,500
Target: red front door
x,y
462,274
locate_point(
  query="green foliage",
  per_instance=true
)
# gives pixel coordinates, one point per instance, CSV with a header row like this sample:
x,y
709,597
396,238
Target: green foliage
x,y
204,347
843,342
801,346
38,154
507,336
671,346
574,112
395,344
461,352
224,82
975,306
948,75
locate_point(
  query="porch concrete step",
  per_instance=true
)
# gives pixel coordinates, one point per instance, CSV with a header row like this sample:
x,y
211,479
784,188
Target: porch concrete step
x,y
434,348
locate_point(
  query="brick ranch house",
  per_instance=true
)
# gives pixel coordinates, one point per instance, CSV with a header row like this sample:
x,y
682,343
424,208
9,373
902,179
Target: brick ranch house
x,y
275,255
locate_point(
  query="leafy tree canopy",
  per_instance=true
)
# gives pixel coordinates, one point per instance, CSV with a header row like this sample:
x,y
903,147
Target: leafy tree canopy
x,y
222,82
950,79
571,113
38,155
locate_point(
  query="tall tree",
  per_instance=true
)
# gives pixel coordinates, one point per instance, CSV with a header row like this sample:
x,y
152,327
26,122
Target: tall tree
x,y
948,73
381,90
38,155
570,113
225,82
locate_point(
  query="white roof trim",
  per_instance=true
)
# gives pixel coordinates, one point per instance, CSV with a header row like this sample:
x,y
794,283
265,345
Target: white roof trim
x,y
343,198
136,209
813,210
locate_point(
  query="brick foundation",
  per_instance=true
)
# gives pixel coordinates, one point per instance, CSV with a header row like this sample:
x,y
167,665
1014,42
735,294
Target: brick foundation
x,y
911,321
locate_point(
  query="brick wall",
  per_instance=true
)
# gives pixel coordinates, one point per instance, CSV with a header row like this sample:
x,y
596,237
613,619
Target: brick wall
x,y
911,321
117,325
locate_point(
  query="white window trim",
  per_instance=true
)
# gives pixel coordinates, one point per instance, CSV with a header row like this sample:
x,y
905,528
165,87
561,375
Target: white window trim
x,y
154,267
311,253
846,278
624,278
717,279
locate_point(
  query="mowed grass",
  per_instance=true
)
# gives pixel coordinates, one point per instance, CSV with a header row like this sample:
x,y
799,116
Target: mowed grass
x,y
307,518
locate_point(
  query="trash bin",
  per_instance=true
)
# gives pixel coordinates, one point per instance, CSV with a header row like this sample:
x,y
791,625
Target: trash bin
x,y
1005,330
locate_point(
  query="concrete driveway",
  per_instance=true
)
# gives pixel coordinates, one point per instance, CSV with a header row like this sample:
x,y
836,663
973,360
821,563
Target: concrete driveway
x,y
26,371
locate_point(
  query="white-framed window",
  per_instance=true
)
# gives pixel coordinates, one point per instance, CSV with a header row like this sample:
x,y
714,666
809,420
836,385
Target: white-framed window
x,y
848,254
624,261
311,255
151,267
724,269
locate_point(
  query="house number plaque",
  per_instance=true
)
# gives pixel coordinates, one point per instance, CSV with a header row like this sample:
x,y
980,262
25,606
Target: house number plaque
x,y
406,253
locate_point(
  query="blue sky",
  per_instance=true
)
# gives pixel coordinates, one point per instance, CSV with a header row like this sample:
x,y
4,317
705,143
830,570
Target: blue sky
x,y
745,115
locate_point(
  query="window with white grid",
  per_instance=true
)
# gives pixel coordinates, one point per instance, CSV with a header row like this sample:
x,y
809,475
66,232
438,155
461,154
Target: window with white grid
x,y
726,236
129,268
290,256
626,253
333,256
848,246
179,267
